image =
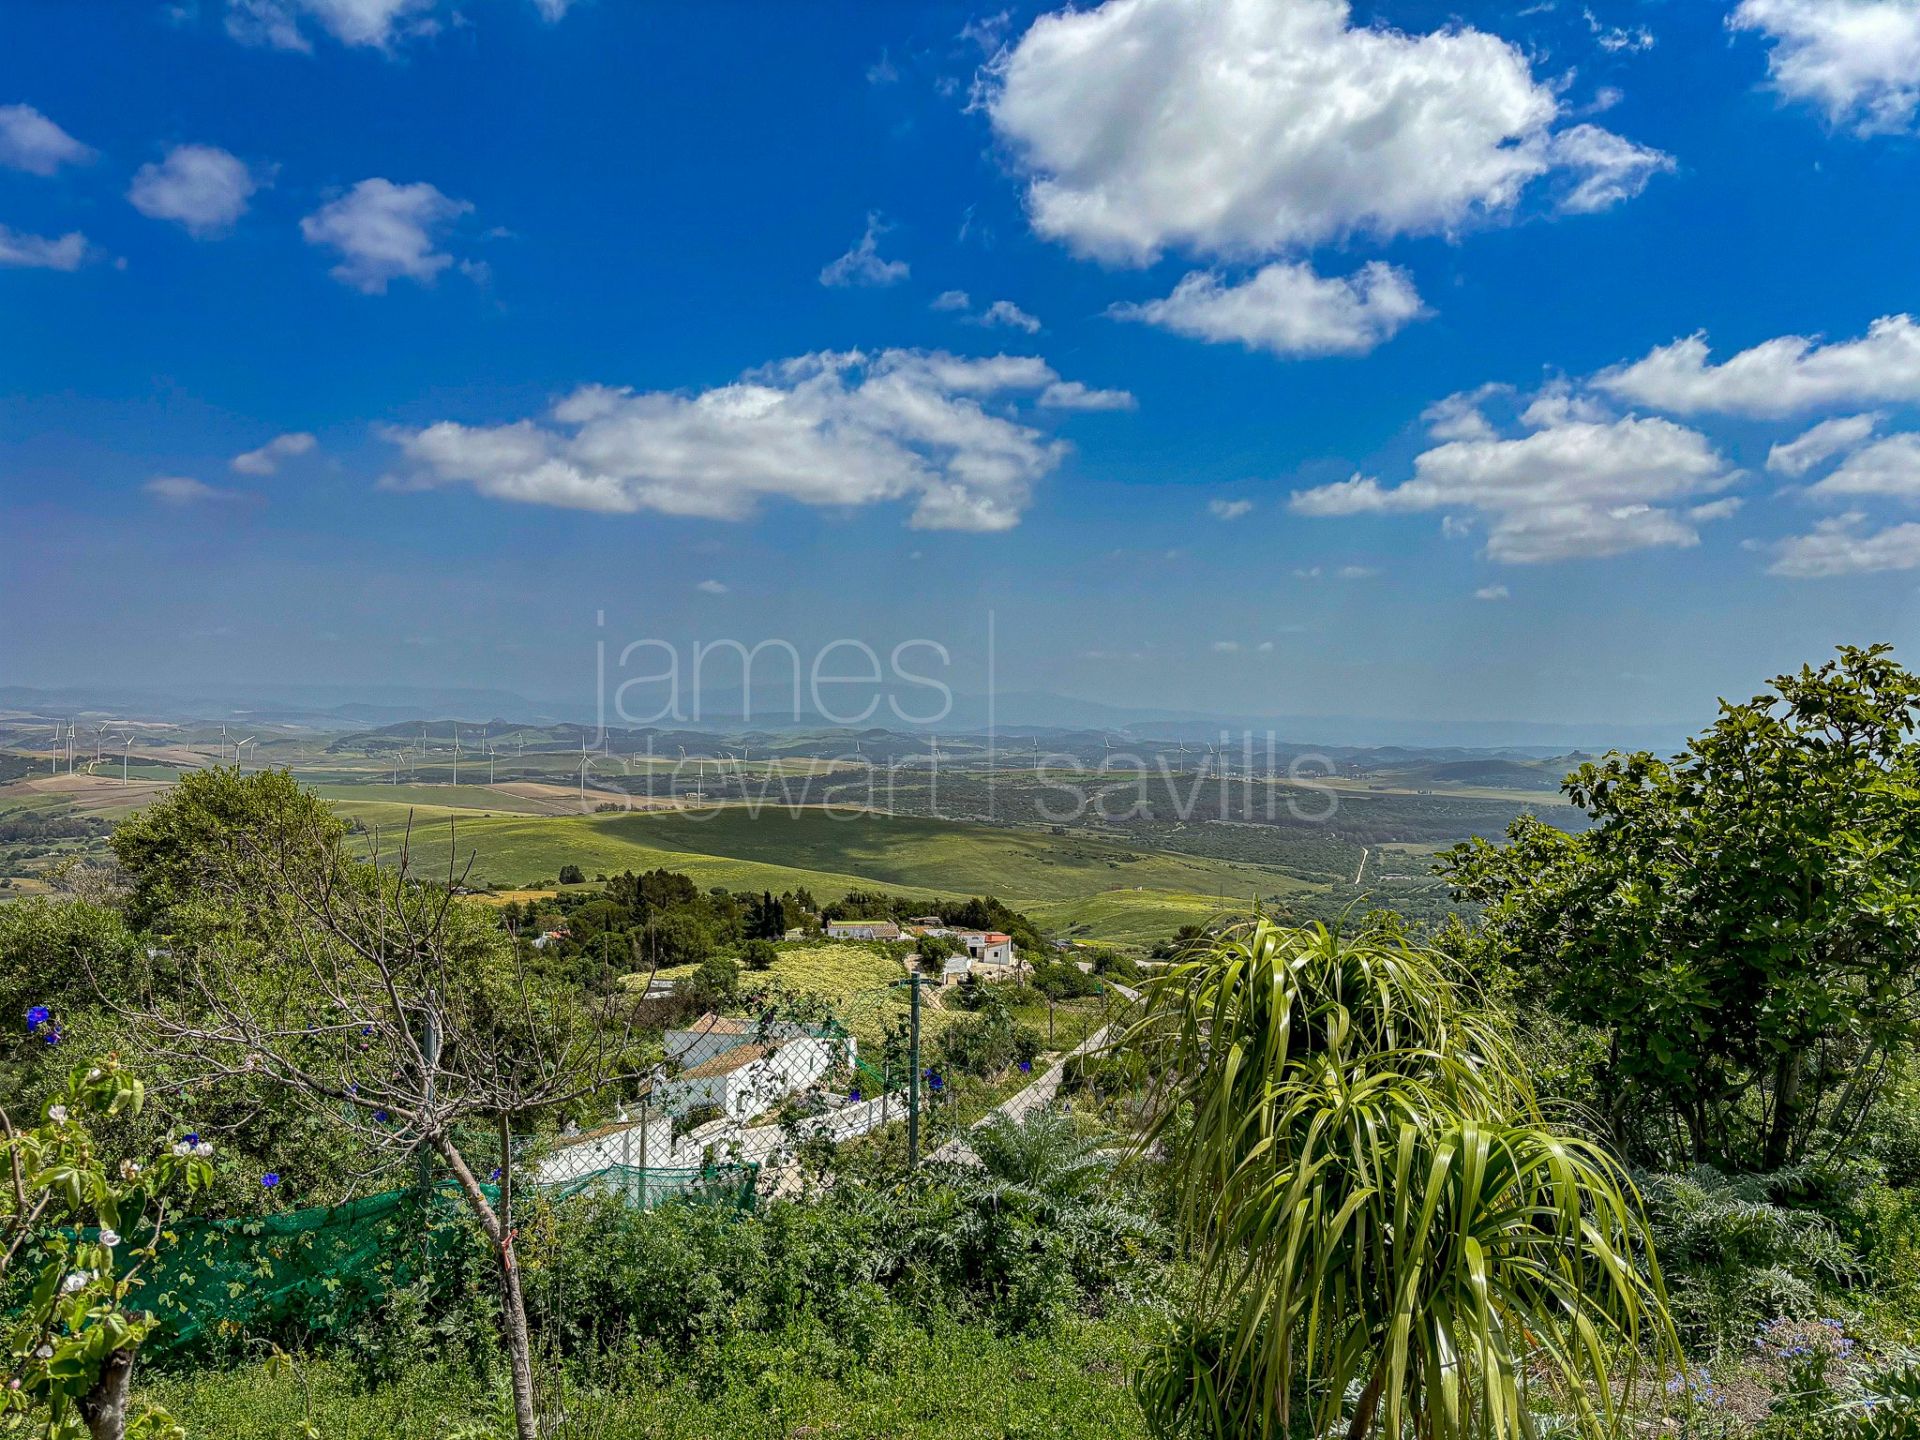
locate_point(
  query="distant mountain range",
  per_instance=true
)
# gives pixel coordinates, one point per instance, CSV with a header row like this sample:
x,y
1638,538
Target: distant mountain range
x,y
1025,713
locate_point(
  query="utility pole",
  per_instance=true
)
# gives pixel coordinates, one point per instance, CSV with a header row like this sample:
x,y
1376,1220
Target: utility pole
x,y
913,1072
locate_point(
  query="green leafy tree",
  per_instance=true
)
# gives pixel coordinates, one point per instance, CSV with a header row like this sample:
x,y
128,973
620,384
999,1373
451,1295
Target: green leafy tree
x,y
201,852
1390,1240
1741,923
70,1336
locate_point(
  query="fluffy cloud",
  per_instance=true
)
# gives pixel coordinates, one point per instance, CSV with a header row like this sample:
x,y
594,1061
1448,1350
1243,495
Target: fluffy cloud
x,y
375,23
1005,312
1247,128
201,186
1857,60
41,252
1606,168
1844,546
711,587
385,232
1582,488
1288,309
1492,592
185,490
1889,468
1820,444
863,265
31,142
952,300
1778,377
1229,509
266,460
1072,395
824,429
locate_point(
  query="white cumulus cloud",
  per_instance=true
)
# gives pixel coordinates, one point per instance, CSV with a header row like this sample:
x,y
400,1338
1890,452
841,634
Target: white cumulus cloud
x,y
281,24
1820,444
267,459
31,142
1288,309
1605,168
385,232
1072,395
1229,509
1888,468
201,186
1248,128
1005,312
22,251
1843,545
1857,61
1578,489
1778,377
1492,592
711,587
826,429
185,490
863,264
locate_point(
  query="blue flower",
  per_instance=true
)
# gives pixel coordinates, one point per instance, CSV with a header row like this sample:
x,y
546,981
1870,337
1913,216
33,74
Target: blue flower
x,y
934,1080
37,1015
1026,1067
852,1096
270,1179
192,1137
496,1173
51,1035
380,1117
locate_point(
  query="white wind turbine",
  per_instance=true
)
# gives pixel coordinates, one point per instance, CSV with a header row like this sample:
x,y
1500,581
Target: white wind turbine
x,y
456,754
238,745
128,750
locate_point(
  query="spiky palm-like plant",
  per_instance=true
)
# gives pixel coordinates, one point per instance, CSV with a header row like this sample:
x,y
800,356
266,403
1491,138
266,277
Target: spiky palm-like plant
x,y
1390,1237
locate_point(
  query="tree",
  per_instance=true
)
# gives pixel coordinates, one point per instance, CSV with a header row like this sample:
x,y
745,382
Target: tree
x,y
1388,1235
381,1002
213,832
572,875
1741,924
758,954
69,1349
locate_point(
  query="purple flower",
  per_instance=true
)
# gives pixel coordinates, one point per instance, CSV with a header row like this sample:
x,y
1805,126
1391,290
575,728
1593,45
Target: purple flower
x,y
496,1173
935,1081
192,1137
37,1015
52,1035
270,1179
1026,1067
853,1096
380,1117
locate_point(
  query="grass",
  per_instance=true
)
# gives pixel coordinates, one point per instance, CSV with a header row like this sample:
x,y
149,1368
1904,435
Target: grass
x,y
1091,888
949,1382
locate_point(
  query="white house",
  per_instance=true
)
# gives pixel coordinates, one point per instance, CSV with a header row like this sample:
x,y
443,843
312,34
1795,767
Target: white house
x,y
862,930
988,947
747,1079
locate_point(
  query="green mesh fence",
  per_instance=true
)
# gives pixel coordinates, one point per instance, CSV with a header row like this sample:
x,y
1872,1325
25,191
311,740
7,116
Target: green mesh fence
x,y
314,1271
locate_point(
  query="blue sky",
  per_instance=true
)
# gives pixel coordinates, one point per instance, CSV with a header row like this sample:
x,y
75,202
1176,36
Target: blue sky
x,y
1259,356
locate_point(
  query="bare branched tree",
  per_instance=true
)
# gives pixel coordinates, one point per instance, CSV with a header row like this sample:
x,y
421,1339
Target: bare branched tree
x,y
374,998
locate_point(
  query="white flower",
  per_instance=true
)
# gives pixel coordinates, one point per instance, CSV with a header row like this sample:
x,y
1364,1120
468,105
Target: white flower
x,y
77,1280
94,1073
180,1147
130,1169
57,1114
109,1238
45,1352
203,1149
